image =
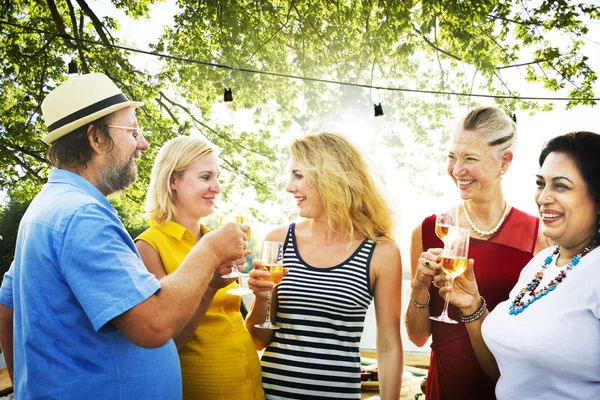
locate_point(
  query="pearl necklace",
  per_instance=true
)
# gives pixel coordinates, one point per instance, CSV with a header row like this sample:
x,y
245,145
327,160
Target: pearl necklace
x,y
519,306
483,233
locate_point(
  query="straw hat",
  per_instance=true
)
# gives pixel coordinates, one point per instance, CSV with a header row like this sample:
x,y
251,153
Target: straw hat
x,y
80,101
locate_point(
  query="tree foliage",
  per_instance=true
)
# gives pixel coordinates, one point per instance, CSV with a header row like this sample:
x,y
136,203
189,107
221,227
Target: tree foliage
x,y
10,217
436,45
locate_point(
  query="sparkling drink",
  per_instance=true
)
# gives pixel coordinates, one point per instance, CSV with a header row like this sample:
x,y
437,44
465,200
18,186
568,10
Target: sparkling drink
x,y
454,261
236,218
276,271
454,265
441,231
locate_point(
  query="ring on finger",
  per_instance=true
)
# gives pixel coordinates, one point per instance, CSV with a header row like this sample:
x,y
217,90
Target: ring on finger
x,y
427,264
434,284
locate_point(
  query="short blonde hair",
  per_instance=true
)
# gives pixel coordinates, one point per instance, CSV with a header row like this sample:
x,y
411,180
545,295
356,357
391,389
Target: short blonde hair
x,y
497,128
339,173
172,160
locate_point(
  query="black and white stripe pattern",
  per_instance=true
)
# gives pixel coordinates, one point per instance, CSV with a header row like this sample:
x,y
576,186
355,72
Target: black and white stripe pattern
x,y
321,312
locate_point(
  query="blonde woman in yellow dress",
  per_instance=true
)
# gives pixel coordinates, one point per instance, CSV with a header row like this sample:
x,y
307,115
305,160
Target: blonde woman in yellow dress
x,y
217,355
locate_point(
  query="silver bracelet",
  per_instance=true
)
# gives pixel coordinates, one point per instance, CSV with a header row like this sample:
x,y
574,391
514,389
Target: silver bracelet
x,y
476,315
419,304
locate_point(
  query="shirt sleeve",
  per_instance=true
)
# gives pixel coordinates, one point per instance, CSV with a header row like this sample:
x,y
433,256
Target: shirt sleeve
x,y
6,291
102,267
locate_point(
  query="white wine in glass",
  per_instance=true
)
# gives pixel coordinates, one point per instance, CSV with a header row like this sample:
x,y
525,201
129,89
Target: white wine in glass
x,y
275,273
443,221
239,290
272,256
454,262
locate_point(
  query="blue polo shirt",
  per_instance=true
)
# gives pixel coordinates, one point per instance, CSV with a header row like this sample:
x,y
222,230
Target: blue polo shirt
x,y
75,269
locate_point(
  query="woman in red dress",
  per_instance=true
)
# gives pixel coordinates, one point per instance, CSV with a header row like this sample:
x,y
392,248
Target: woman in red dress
x,y
503,240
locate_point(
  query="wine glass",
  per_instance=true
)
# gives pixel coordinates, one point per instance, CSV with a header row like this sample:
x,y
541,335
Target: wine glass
x,y
239,290
443,221
272,257
454,262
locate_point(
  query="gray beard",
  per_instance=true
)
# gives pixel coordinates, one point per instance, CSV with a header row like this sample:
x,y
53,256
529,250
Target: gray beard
x,y
118,177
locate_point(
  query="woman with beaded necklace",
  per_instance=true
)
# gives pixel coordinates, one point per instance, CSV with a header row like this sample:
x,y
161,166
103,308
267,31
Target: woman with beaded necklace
x,y
503,240
544,340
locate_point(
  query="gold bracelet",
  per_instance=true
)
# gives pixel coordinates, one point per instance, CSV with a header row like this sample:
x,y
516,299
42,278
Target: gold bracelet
x,y
419,304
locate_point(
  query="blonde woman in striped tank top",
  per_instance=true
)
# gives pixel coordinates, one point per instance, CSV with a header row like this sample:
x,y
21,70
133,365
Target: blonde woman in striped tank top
x,y
338,259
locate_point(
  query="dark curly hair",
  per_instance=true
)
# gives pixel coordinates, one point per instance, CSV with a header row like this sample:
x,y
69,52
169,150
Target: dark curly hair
x,y
73,150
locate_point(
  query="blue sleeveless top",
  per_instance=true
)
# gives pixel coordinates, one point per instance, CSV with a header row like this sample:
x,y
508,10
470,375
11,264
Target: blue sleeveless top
x,y
321,312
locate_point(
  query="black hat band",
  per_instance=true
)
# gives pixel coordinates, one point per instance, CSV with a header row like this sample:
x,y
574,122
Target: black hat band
x,y
89,110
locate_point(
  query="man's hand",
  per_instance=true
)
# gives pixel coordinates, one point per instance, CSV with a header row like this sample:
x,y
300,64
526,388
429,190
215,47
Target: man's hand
x,y
226,244
217,282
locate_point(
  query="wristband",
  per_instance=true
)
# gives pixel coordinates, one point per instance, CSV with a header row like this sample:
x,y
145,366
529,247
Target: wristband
x,y
419,305
476,315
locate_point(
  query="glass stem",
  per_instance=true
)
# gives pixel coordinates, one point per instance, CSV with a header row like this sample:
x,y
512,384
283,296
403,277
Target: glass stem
x,y
268,318
445,311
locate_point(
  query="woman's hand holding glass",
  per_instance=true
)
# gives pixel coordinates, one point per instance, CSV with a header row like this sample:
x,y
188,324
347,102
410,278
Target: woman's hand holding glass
x,y
426,269
258,280
462,292
453,262
267,273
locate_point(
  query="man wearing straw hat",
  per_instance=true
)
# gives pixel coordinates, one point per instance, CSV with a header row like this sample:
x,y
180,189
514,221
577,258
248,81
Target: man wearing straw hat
x,y
88,319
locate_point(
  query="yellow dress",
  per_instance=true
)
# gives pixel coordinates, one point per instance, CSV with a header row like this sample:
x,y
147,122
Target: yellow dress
x,y
219,361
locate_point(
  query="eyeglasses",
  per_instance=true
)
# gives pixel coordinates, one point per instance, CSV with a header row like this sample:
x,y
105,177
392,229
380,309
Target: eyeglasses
x,y
136,132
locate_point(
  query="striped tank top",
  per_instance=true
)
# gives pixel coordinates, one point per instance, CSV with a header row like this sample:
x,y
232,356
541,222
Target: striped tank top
x,y
321,313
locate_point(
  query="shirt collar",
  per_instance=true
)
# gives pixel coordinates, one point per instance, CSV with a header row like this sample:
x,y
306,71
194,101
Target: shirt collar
x,y
178,231
58,175
173,229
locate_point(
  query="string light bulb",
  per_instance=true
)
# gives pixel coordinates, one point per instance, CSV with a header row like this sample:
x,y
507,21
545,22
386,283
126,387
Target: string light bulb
x,y
378,110
228,95
73,70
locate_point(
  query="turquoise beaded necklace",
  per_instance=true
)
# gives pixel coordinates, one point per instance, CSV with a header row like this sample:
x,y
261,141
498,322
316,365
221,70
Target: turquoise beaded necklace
x,y
518,306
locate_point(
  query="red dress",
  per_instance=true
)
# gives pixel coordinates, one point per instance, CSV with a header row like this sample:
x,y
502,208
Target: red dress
x,y
454,372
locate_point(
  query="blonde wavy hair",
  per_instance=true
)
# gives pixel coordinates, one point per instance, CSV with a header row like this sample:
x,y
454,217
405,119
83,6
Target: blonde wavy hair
x,y
172,160
339,173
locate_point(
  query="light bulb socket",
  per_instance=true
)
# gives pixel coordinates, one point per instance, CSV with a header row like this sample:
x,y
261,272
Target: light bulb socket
x,y
228,95
73,67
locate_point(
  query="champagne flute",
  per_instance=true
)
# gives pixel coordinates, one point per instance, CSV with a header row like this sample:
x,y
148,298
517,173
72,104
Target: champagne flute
x,y
454,262
239,290
443,221
272,257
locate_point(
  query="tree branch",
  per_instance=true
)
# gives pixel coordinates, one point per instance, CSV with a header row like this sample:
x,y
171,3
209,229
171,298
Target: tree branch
x,y
30,153
60,25
237,171
274,34
76,33
25,166
434,46
525,23
95,21
508,89
522,64
220,135
168,109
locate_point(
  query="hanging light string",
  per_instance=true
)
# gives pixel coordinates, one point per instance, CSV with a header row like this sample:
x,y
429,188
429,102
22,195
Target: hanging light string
x,y
302,78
